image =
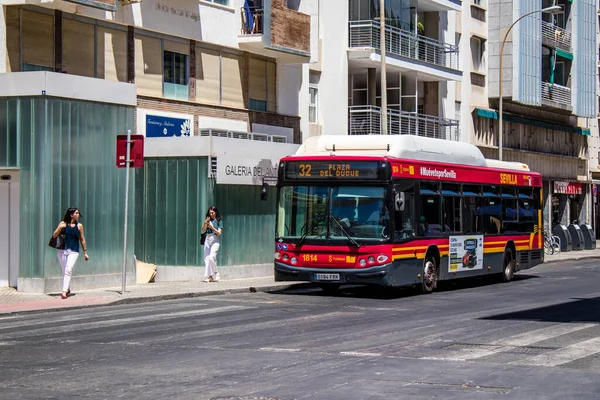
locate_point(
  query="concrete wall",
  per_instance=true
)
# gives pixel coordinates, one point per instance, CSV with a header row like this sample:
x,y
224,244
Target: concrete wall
x,y
333,87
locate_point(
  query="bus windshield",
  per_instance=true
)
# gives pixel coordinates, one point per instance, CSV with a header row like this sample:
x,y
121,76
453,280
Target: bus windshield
x,y
352,213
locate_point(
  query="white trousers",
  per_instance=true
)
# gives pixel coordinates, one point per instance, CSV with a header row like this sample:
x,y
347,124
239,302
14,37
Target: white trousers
x,y
67,259
211,247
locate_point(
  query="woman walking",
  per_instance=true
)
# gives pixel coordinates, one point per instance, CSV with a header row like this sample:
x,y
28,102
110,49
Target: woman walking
x,y
73,231
213,226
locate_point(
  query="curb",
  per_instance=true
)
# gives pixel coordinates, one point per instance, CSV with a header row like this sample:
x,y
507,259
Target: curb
x,y
576,258
150,299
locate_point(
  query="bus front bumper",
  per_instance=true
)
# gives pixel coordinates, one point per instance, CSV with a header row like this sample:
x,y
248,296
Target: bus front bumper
x,y
379,275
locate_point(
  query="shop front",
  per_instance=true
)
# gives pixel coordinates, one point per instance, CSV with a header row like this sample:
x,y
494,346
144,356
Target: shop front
x,y
569,203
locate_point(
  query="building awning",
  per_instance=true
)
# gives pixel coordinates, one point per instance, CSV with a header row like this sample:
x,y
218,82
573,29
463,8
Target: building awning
x,y
564,54
492,114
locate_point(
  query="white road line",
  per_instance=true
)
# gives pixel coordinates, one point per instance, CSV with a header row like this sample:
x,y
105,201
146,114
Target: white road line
x,y
564,355
358,354
76,326
279,350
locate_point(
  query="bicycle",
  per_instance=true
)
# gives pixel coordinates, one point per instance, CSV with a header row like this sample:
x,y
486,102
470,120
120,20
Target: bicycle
x,y
551,244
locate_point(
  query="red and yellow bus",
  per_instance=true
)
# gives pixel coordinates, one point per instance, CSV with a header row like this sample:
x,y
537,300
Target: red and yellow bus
x,y
403,210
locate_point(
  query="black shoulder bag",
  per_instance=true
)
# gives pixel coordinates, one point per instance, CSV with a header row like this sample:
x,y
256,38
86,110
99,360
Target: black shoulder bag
x,y
58,242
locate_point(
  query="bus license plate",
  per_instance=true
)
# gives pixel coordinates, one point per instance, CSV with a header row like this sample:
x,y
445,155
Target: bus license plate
x,y
327,277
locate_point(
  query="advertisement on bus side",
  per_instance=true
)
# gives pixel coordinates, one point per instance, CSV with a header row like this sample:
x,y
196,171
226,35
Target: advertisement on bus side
x,y
466,253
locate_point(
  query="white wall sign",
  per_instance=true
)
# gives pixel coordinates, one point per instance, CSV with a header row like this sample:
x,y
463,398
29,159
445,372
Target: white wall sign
x,y
245,171
466,253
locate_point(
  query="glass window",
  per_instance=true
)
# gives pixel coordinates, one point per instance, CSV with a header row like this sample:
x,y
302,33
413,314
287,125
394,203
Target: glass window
x,y
312,105
527,211
221,2
404,220
470,221
322,212
175,75
430,221
510,220
489,214
257,105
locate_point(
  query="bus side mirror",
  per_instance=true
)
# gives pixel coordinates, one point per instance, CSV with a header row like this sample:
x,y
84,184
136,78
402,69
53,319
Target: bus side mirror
x,y
399,201
264,191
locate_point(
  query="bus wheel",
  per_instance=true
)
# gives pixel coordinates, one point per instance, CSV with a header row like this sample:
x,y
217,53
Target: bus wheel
x,y
429,275
330,288
509,266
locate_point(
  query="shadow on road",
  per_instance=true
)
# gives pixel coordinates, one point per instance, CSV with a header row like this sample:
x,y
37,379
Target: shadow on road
x,y
387,293
579,310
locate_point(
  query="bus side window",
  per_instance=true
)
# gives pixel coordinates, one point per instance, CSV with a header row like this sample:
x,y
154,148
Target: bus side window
x,y
471,224
403,220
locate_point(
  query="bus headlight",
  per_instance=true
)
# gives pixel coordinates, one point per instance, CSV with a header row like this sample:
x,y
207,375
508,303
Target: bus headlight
x,y
277,255
371,259
285,257
362,262
294,260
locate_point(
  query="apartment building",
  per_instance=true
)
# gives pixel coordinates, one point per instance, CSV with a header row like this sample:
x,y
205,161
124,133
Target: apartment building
x,y
214,85
549,94
422,69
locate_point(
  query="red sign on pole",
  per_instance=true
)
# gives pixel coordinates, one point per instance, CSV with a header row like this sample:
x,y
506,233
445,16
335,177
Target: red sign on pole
x,y
136,154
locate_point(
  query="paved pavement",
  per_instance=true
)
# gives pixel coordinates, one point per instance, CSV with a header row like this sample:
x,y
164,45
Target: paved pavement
x,y
12,301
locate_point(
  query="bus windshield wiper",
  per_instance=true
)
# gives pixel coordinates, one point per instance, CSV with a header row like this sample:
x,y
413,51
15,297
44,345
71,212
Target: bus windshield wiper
x,y
354,242
310,227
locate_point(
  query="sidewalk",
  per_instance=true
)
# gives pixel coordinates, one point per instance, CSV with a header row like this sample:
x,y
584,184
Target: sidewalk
x,y
12,301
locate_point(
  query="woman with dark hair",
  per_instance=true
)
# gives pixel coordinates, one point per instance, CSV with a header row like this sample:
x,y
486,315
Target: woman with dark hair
x,y
213,227
73,231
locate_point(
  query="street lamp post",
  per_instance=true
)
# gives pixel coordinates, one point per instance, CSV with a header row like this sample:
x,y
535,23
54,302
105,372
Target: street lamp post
x,y
547,10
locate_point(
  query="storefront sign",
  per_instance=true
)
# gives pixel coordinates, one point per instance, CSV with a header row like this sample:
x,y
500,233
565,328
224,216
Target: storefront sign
x,y
245,171
466,253
109,5
567,187
160,126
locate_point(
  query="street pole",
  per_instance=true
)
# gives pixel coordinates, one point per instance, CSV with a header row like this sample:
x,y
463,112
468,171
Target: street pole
x,y
548,10
384,125
127,164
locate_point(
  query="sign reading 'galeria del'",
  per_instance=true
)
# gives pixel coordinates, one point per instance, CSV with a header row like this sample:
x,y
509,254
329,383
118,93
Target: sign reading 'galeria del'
x,y
109,5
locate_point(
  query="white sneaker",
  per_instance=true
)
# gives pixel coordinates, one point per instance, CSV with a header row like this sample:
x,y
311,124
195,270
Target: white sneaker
x,y
217,277
206,280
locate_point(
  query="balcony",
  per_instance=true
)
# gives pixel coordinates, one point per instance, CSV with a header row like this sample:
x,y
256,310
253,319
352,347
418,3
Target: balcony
x,y
556,96
412,51
366,120
555,36
275,31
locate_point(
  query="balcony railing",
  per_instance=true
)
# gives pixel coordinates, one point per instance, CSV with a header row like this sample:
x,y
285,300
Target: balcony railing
x,y
403,43
556,36
557,96
252,20
366,120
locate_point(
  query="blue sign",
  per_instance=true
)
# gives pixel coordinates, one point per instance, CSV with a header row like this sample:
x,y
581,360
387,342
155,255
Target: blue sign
x,y
157,126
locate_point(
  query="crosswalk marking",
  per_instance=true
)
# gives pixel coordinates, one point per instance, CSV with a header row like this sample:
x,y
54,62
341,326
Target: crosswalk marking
x,y
563,355
539,335
76,325
523,339
22,321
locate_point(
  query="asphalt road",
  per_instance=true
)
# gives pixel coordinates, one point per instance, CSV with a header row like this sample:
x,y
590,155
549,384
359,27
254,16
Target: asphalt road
x,y
537,337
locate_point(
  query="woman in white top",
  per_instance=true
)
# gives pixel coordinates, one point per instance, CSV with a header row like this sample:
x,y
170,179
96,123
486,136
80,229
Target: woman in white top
x,y
213,226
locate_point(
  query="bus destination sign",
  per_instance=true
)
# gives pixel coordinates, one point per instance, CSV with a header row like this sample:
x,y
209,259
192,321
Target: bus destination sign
x,y
332,169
